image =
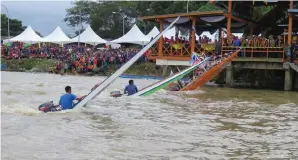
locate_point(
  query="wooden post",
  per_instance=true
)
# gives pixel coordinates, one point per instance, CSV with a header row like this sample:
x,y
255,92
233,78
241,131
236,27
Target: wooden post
x,y
229,18
219,40
290,27
285,31
160,46
193,35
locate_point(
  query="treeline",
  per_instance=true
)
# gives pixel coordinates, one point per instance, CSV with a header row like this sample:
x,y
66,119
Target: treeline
x,y
15,27
106,17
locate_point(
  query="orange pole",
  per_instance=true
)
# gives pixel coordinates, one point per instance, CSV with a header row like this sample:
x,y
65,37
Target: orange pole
x,y
160,46
290,27
193,35
229,18
285,31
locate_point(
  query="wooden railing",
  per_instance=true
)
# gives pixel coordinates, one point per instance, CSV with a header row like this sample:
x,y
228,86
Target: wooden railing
x,y
176,51
183,52
168,50
153,51
256,52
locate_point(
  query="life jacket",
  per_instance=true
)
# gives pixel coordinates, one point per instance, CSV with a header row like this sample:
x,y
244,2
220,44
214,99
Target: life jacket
x,y
90,67
81,66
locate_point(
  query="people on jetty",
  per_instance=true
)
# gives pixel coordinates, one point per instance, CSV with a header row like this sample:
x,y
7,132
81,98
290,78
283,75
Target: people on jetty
x,y
131,88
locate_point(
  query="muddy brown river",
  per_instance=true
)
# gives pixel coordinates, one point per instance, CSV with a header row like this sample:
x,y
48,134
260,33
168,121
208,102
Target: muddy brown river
x,y
210,123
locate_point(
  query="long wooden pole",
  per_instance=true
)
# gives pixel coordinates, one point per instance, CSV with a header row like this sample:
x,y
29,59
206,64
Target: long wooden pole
x,y
160,45
229,18
121,70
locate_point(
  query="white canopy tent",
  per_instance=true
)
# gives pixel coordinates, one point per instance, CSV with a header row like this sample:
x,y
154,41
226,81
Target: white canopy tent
x,y
153,33
27,36
113,45
90,37
134,36
170,33
57,36
183,36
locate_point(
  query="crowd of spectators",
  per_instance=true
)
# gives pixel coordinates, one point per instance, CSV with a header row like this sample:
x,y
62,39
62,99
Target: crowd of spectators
x,y
183,40
254,41
83,58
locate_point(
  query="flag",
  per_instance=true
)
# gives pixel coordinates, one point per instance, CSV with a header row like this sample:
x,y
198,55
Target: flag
x,y
194,59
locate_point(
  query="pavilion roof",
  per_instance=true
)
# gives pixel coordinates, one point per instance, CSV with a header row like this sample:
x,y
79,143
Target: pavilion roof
x,y
270,21
206,21
241,17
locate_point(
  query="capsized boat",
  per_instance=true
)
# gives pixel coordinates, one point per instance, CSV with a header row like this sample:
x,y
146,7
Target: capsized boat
x,y
188,78
167,81
120,71
212,69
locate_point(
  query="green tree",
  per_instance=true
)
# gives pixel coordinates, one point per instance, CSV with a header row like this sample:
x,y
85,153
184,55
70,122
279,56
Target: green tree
x,y
15,26
209,7
79,32
106,17
38,33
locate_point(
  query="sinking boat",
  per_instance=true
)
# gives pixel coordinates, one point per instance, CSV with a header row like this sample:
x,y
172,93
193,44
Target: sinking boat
x,y
167,81
99,89
203,71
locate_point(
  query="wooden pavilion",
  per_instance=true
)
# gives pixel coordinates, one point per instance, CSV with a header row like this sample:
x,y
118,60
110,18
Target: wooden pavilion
x,y
236,16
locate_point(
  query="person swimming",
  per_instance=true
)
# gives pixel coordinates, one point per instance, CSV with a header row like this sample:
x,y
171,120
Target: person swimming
x,y
66,100
130,89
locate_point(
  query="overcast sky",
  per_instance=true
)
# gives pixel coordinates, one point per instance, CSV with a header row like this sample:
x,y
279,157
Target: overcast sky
x,y
43,16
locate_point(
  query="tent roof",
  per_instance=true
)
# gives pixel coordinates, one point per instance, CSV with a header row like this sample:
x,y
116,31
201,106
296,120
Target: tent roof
x,y
28,35
153,33
134,35
89,36
170,33
56,36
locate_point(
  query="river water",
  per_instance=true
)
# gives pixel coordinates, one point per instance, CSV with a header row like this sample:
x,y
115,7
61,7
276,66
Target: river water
x,y
211,123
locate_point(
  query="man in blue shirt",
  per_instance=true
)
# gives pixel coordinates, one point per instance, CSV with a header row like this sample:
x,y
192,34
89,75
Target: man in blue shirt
x,y
66,100
131,88
237,43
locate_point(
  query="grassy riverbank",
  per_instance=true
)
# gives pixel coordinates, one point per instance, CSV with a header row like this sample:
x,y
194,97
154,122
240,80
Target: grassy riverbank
x,y
27,65
46,65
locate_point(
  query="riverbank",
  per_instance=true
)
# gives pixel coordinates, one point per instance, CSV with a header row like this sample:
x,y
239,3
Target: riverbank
x,y
47,65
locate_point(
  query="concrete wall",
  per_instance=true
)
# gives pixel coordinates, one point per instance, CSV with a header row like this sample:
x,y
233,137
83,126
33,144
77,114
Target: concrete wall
x,y
289,77
258,65
295,81
165,62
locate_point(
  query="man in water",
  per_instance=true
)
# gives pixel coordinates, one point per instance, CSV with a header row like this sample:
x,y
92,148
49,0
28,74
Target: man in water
x,y
66,100
189,79
130,89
